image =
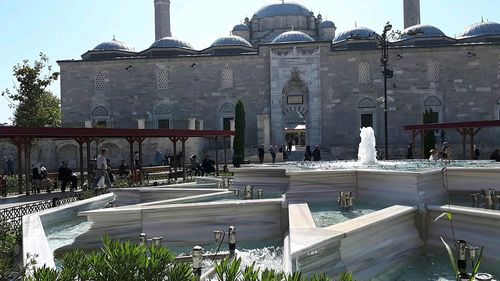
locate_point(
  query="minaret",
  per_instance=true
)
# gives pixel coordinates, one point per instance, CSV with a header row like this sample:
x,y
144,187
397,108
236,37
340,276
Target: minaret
x,y
162,19
412,12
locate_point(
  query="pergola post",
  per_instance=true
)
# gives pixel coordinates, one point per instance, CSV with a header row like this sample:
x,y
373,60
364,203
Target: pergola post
x,y
88,141
27,164
183,141
174,145
225,154
472,133
140,140
80,142
131,141
422,141
463,133
216,138
19,145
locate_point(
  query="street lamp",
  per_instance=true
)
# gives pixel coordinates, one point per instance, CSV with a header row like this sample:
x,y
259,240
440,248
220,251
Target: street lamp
x,y
387,74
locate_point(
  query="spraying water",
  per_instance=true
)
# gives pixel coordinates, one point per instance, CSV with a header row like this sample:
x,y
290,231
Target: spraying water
x,y
367,154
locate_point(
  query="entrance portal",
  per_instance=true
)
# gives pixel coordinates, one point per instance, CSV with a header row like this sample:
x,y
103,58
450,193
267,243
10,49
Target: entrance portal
x,y
295,128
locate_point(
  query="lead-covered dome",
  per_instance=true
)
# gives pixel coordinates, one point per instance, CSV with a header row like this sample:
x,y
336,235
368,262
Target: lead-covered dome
x,y
292,37
480,29
171,42
241,27
363,33
114,45
327,24
422,30
231,40
282,9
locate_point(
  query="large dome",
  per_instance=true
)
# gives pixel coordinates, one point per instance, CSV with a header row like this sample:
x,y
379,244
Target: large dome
x,y
114,45
292,37
231,40
171,42
241,27
282,9
327,24
422,30
481,29
356,33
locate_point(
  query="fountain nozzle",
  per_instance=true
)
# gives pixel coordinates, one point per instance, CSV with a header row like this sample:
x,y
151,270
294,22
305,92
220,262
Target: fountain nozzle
x,y
346,199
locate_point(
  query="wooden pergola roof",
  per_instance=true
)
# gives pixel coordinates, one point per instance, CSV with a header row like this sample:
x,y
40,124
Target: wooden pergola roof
x,y
469,128
15,132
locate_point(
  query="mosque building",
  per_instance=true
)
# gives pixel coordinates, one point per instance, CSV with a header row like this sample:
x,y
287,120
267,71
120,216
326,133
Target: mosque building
x,y
298,75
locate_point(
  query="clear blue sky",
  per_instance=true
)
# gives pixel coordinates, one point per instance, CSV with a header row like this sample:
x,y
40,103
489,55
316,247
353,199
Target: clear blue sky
x,y
65,29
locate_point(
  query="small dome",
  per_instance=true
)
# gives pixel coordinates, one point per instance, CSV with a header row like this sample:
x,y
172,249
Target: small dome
x,y
114,45
422,30
356,33
327,24
481,29
171,42
282,9
292,37
231,40
241,27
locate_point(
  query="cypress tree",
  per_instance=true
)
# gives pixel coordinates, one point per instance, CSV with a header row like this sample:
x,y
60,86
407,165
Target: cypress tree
x,y
239,138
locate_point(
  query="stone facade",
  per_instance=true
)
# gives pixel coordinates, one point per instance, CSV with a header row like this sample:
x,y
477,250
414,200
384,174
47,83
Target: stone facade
x,y
337,86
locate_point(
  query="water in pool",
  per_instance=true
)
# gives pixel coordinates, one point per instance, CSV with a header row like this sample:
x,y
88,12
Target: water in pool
x,y
328,213
432,265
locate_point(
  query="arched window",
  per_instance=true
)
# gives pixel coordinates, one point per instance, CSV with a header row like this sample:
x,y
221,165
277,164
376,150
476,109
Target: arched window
x,y
227,78
163,116
100,111
162,109
227,111
364,73
432,101
366,103
433,70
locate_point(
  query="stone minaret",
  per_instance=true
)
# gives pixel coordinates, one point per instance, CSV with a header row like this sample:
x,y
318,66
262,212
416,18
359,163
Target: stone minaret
x,y
412,12
162,19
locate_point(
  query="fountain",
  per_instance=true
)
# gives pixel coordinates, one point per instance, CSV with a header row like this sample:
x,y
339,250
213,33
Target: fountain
x,y
367,155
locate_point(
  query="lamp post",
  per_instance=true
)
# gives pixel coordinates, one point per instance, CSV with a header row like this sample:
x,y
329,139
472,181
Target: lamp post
x,y
387,74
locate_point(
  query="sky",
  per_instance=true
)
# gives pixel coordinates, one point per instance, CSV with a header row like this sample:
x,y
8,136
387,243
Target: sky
x,y
65,29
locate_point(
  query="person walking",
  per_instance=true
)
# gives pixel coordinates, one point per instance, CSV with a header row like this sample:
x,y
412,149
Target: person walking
x,y
409,151
476,153
273,149
64,175
316,154
307,154
102,169
260,153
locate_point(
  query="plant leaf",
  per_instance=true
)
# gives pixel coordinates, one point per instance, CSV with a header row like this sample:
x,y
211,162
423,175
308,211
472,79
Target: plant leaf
x,y
476,267
447,214
451,256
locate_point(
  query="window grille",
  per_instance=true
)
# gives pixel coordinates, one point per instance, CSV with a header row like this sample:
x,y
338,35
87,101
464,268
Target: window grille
x,y
227,78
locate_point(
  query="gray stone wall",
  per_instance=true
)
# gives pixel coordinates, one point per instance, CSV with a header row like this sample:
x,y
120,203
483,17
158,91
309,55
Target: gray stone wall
x,y
459,82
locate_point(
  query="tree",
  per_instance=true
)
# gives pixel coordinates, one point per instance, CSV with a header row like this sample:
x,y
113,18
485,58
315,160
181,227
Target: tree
x,y
34,105
239,138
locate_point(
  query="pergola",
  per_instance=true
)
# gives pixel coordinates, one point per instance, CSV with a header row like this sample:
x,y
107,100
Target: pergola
x,y
23,139
470,128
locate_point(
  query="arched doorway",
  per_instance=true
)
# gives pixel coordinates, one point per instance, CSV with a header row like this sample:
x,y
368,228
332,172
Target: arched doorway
x,y
295,124
295,96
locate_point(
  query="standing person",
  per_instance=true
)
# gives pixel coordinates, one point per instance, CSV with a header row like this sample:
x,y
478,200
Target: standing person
x,y
10,166
102,169
64,175
445,151
5,166
290,144
273,149
316,154
195,165
476,153
158,158
260,153
409,151
307,154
